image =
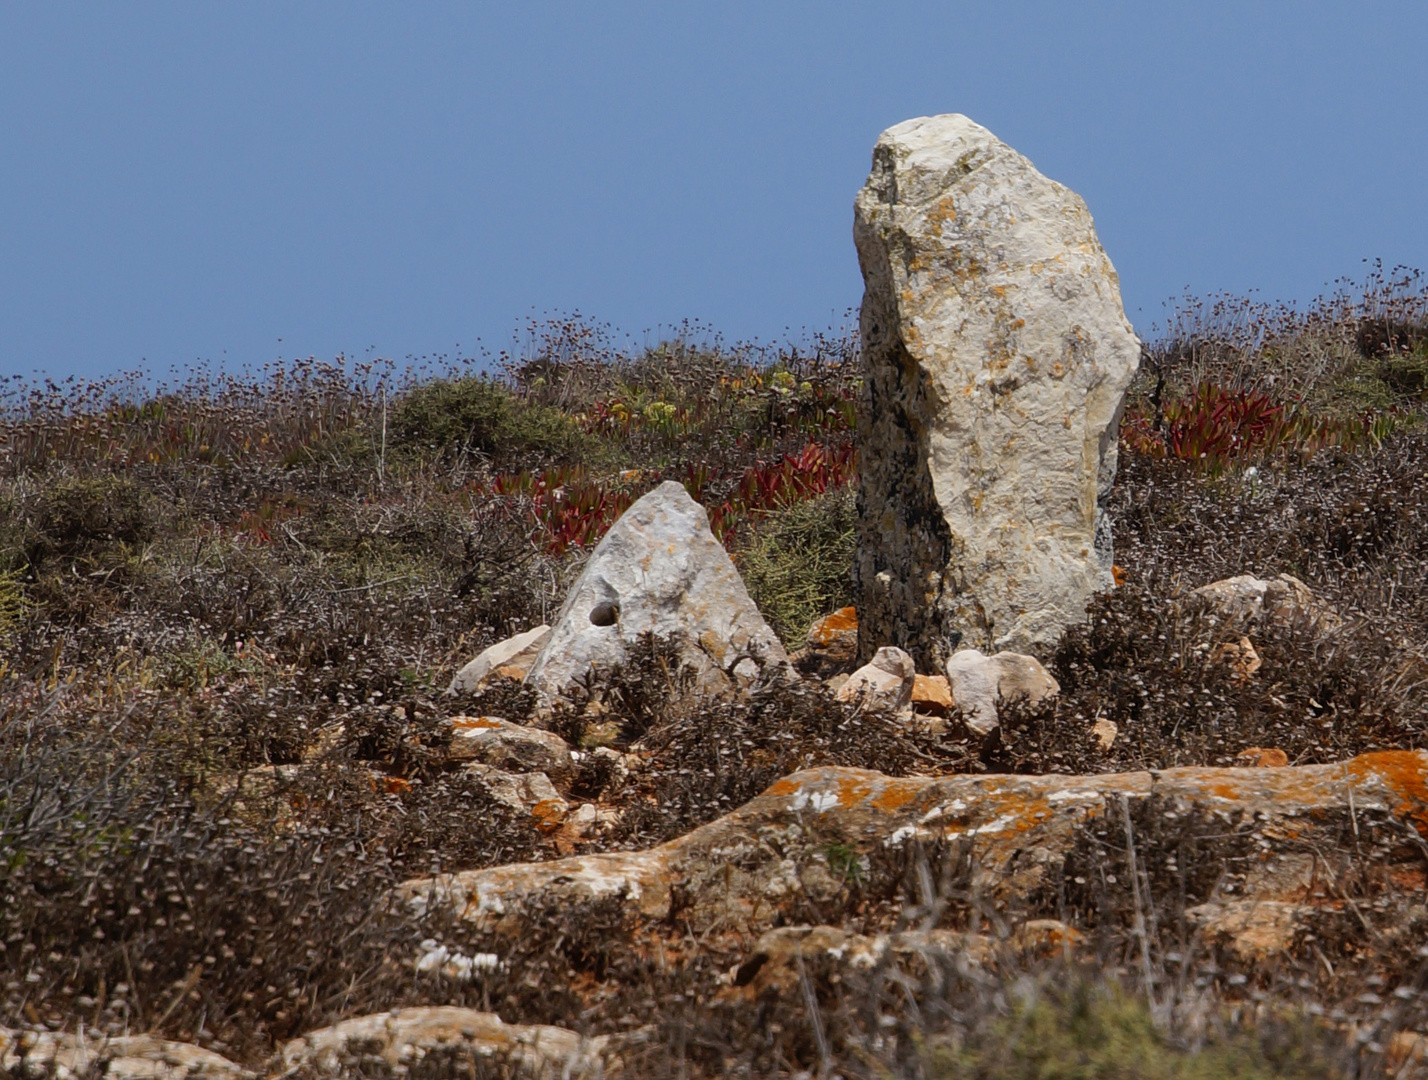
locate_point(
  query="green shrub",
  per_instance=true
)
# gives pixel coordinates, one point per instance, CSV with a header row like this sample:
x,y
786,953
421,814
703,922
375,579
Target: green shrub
x,y
1095,1031
799,565
81,515
478,414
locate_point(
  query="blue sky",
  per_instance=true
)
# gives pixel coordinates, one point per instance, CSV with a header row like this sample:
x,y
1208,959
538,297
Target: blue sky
x,y
235,182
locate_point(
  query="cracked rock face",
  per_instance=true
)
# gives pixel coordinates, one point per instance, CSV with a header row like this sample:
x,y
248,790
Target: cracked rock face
x,y
659,570
996,359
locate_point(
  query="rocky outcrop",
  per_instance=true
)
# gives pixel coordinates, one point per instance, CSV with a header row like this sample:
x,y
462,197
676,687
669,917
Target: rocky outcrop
x,y
493,741
798,842
511,659
1247,601
132,1057
658,571
393,1043
884,682
979,682
996,356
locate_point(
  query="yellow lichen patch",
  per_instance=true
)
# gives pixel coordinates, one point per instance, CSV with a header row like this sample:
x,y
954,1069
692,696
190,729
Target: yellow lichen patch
x,y
548,813
468,722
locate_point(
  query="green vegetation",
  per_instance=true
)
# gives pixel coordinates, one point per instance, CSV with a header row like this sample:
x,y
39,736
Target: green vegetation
x,y
478,414
798,565
1097,1031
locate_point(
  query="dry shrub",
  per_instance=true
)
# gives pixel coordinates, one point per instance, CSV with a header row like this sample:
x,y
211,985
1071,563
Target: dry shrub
x,y
705,757
234,916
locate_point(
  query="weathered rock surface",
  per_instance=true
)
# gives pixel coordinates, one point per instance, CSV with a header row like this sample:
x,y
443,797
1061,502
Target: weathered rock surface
x,y
885,681
996,357
1283,601
832,644
131,1057
979,682
744,871
659,571
932,694
399,1040
511,659
509,746
530,792
1241,656
773,961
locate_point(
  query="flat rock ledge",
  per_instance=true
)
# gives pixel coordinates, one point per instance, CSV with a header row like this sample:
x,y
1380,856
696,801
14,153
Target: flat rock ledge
x,y
745,870
396,1041
68,1055
382,1044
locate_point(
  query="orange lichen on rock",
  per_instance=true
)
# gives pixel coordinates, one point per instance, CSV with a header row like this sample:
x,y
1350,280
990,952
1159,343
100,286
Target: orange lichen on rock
x,y
1261,757
1405,772
897,794
827,629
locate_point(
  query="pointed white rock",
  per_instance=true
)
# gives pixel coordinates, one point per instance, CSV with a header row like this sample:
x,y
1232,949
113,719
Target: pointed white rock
x,y
659,571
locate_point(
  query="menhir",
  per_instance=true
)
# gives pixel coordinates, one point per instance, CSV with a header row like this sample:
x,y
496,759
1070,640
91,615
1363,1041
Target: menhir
x,y
996,358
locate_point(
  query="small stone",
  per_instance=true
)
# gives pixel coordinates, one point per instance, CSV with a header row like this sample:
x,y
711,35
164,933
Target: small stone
x,y
931,694
1261,757
530,793
885,681
1105,732
498,742
832,644
979,682
1283,601
1240,655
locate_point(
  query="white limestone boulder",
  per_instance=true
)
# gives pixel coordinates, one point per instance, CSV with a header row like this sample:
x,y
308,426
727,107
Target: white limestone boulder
x,y
659,571
512,658
980,682
996,358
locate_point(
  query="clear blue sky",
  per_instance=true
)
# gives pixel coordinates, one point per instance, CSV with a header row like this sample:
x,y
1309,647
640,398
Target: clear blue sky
x,y
242,181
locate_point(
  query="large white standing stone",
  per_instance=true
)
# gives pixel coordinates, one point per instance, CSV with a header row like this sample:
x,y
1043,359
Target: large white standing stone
x,y
996,359
660,571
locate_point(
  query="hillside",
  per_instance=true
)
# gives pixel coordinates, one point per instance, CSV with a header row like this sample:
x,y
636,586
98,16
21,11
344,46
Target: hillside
x,y
229,613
